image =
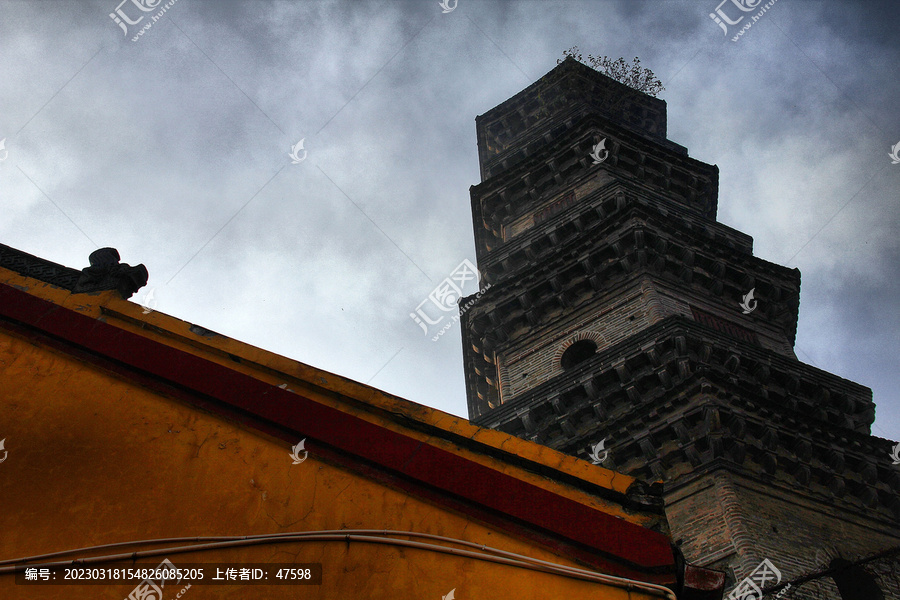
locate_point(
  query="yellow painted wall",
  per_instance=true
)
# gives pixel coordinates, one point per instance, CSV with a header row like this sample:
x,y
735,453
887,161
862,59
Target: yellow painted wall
x,y
93,459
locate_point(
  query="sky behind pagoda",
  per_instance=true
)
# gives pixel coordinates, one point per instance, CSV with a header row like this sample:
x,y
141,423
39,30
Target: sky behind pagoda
x,y
174,149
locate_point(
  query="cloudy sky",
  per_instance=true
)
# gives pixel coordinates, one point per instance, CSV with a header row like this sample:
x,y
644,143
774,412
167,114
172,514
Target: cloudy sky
x,y
174,149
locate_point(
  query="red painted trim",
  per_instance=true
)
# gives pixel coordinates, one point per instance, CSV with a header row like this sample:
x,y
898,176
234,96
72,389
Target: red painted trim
x,y
588,557
294,414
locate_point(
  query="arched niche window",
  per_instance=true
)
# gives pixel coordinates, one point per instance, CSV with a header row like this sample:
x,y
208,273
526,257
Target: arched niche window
x,y
577,353
853,582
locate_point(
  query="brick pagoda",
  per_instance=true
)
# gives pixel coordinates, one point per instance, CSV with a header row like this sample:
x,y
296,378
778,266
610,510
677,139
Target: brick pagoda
x,y
617,314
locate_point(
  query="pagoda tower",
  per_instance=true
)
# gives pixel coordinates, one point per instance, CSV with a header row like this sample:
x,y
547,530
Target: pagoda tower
x,y
623,324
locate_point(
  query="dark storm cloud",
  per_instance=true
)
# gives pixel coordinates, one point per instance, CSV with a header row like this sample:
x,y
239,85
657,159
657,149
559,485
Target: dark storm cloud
x,y
175,148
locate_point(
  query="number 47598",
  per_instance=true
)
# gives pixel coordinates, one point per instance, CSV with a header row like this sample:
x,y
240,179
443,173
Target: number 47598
x,y
294,574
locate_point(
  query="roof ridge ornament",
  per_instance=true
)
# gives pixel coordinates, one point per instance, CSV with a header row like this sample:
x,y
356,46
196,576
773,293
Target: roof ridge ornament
x,y
106,273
